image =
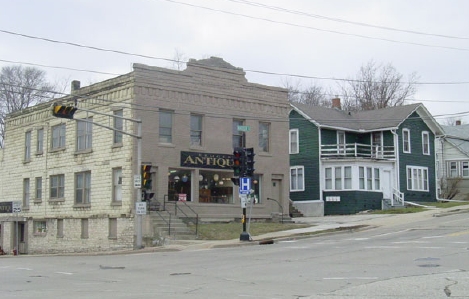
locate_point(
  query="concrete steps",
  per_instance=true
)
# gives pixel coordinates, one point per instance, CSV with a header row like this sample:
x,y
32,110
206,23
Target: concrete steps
x,y
171,227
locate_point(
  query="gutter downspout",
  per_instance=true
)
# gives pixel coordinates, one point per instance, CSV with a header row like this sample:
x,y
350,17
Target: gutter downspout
x,y
441,165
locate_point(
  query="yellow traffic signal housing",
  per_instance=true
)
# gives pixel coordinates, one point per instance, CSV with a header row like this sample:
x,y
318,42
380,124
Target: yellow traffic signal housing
x,y
146,176
63,111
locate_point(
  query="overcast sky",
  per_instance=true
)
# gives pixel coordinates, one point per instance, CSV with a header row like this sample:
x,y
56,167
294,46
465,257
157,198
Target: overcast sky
x,y
312,38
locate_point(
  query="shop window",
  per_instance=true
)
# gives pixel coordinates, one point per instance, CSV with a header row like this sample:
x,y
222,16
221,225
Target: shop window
x,y
215,187
180,184
40,227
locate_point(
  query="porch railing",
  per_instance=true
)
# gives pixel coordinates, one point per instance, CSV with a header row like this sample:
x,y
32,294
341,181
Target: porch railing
x,y
397,198
357,150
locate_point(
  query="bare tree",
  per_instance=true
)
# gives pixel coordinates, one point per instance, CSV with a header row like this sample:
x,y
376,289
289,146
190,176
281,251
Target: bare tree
x,y
377,86
179,60
313,95
21,87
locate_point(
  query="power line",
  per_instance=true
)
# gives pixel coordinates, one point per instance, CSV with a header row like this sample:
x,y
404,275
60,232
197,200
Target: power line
x,y
315,28
296,12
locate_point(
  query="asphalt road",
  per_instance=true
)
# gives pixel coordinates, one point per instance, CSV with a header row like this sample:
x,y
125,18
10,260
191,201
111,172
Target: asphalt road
x,y
424,259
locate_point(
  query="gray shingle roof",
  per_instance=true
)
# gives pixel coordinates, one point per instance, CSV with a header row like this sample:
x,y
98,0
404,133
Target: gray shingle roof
x,y
369,120
458,136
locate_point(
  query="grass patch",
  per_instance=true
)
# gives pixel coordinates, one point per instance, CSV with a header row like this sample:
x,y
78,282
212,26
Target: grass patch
x,y
411,209
232,230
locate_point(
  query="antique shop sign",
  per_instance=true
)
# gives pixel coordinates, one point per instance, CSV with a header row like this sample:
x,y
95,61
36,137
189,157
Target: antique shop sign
x,y
206,160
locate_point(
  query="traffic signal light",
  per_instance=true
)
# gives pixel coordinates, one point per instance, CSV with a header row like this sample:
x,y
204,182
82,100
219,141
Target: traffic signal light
x,y
63,111
147,196
235,181
249,161
146,176
238,161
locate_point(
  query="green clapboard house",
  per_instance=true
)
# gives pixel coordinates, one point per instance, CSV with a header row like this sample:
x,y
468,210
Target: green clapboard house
x,y
345,162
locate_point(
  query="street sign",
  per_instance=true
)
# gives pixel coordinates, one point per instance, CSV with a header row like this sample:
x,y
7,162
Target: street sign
x,y
244,128
137,181
141,208
244,199
244,185
17,207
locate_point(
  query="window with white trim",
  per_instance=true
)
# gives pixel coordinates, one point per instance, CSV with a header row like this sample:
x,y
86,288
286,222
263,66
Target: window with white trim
x,y
294,141
406,140
328,177
417,178
369,178
297,181
453,169
338,178
465,169
425,143
348,177
341,142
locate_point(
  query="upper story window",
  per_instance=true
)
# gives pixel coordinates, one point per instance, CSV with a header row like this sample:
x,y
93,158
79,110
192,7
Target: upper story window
x,y
239,139
294,141
264,136
84,134
425,143
83,187
27,146
38,191
40,141
340,142
417,178
406,140
297,180
118,126
57,186
196,130
166,126
58,136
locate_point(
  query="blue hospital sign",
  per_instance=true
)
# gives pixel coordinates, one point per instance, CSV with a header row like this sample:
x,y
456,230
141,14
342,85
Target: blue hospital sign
x,y
244,185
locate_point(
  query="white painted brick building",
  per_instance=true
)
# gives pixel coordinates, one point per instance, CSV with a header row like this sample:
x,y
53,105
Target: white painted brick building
x,y
76,179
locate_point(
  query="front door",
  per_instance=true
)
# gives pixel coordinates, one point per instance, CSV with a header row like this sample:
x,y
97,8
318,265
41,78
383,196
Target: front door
x,y
377,144
386,184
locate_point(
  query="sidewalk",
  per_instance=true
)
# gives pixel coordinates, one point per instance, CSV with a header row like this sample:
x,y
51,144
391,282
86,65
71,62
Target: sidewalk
x,y
324,224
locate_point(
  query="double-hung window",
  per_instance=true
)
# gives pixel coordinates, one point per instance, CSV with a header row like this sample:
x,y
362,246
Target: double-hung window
x,y
118,126
40,141
57,186
26,193
84,134
83,187
38,191
58,136
297,181
417,178
425,143
27,146
406,140
196,130
264,136
166,126
294,141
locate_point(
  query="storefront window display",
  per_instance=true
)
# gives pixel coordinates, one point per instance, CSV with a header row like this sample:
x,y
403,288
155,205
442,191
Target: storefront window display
x,y
179,185
215,187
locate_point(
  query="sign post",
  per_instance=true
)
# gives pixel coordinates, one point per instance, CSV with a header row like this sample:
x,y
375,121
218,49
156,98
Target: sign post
x,y
244,190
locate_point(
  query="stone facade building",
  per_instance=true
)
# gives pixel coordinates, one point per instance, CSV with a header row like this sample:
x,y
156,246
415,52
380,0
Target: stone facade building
x,y
77,179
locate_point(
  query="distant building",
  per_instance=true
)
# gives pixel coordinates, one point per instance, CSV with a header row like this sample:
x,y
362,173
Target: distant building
x,y
345,162
77,179
453,162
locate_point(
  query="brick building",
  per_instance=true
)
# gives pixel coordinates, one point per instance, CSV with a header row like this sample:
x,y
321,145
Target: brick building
x,y
76,178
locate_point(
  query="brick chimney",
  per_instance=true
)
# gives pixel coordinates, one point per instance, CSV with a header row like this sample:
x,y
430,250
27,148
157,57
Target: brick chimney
x,y
336,103
458,122
75,86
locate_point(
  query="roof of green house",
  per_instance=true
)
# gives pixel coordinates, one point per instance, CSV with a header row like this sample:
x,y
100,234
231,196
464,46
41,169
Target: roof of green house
x,y
369,120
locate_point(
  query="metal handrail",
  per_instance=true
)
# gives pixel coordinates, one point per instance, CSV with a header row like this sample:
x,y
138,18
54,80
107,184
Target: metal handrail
x,y
164,219
281,207
187,216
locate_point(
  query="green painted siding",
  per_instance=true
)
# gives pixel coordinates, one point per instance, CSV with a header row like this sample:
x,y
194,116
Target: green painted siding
x,y
352,202
416,158
308,157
